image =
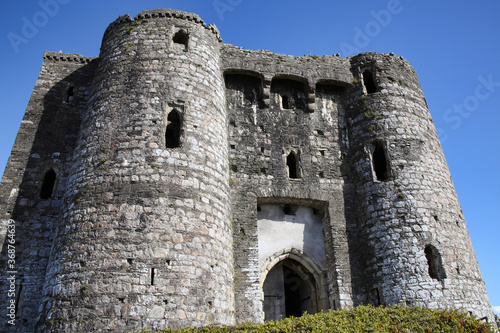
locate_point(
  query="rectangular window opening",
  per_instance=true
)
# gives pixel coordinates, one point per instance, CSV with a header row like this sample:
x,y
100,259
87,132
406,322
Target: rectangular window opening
x,y
292,162
369,82
380,162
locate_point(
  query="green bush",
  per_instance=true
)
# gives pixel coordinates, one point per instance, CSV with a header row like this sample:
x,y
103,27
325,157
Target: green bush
x,y
394,319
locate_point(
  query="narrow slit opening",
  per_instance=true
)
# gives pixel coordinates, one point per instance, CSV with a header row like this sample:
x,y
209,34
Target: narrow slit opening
x,y
153,272
48,184
70,94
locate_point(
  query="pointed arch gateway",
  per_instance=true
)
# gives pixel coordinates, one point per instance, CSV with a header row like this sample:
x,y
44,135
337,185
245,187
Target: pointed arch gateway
x,y
291,284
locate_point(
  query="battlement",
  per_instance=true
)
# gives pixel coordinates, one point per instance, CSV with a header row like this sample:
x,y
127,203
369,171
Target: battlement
x,y
163,13
69,57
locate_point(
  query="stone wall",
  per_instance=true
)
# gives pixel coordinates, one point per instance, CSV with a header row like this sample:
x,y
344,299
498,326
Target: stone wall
x,y
139,179
45,142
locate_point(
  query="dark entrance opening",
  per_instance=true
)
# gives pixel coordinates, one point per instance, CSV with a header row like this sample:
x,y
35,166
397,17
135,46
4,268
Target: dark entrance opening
x,y
289,290
293,299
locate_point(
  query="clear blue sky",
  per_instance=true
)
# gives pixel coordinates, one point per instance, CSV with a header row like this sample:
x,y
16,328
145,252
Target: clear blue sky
x,y
453,45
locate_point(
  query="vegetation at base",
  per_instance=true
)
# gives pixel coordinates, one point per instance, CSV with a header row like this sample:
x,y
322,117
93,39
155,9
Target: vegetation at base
x,y
394,319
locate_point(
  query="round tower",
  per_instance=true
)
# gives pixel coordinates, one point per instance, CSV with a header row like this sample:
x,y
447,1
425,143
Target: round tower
x,y
416,245
145,240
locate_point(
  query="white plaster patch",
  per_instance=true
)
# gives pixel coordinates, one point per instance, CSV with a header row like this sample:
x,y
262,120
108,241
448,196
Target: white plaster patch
x,y
278,231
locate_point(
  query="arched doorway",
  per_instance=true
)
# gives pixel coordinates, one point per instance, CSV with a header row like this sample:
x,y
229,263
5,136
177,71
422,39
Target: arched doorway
x,y
289,290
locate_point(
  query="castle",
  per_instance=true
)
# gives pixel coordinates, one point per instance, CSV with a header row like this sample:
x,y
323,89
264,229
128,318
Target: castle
x,y
176,180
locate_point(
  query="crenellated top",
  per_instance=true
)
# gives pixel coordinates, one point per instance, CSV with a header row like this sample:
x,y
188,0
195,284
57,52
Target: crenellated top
x,y
148,14
119,21
165,13
69,57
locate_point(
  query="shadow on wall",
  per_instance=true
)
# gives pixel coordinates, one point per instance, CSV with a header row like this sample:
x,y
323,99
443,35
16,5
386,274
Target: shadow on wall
x,y
36,210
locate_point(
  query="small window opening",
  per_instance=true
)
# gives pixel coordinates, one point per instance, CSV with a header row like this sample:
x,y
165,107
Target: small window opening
x,y
48,184
70,94
153,271
369,82
285,102
173,133
436,270
182,37
289,210
377,293
380,165
18,298
292,164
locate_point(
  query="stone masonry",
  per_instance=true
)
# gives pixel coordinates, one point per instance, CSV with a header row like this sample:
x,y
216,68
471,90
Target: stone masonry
x,y
176,180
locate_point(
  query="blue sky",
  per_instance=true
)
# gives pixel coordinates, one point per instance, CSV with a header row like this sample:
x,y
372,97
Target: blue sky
x,y
453,45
